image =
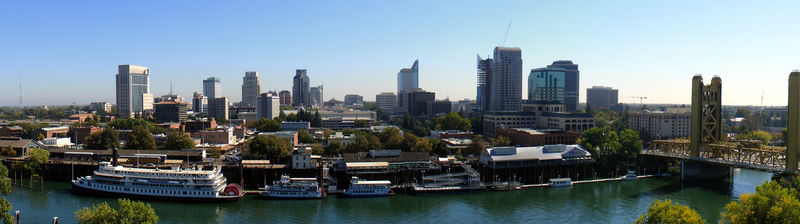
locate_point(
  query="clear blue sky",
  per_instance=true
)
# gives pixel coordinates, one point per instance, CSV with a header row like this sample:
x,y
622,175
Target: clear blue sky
x,y
68,51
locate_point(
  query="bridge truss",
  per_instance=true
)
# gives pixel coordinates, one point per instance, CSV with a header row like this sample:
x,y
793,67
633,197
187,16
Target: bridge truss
x,y
744,154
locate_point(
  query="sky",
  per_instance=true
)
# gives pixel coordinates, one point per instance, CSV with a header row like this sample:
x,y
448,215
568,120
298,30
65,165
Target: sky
x,y
67,52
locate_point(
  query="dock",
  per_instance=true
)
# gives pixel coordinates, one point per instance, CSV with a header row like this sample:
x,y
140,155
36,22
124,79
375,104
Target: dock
x,y
589,181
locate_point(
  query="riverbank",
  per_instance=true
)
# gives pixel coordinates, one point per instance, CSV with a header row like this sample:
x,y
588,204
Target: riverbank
x,y
603,202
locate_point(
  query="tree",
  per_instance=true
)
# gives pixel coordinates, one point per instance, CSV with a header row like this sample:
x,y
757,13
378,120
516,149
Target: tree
x,y
36,157
317,149
501,141
476,147
179,140
333,148
106,139
270,147
391,138
360,124
630,143
5,189
215,152
8,151
409,141
40,137
128,212
762,136
140,138
453,121
305,137
267,125
771,203
317,121
666,212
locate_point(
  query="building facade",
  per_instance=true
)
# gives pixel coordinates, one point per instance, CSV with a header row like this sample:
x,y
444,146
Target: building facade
x,y
133,90
251,88
286,97
316,96
484,83
199,103
418,102
353,99
506,76
100,107
672,123
212,88
170,111
407,81
268,106
533,137
218,108
546,84
602,97
439,107
571,83
573,122
386,101
494,120
301,89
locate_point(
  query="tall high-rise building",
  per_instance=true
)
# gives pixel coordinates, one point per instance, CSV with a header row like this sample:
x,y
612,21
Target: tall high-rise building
x,y
386,101
212,88
133,90
268,106
300,89
316,96
353,99
601,96
199,103
407,81
251,88
506,85
572,78
546,84
484,83
218,108
286,97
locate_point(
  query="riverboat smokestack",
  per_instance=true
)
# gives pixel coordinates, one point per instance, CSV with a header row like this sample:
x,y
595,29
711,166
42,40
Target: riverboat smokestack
x,y
114,159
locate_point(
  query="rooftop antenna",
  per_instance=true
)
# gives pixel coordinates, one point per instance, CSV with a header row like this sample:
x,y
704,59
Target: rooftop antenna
x,y
170,87
762,99
506,36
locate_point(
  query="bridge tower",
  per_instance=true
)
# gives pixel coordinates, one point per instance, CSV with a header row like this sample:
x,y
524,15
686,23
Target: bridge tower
x,y
793,121
706,126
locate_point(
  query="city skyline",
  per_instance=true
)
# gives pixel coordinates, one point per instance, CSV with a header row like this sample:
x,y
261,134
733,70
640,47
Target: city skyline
x,y
666,44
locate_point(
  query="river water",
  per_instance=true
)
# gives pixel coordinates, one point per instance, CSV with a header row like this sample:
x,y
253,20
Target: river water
x,y
608,202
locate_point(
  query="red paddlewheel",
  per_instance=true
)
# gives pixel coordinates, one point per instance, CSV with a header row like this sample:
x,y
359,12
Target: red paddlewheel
x,y
233,190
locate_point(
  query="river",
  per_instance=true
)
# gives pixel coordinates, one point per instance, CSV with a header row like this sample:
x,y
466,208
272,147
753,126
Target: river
x,y
608,202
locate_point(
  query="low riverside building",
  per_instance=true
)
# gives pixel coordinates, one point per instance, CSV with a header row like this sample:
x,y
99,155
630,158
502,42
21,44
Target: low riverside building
x,y
79,134
49,132
536,164
132,156
532,137
21,146
385,161
457,134
57,143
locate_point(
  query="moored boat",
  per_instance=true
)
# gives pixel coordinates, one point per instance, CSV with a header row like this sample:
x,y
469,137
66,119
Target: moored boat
x,y
143,183
560,182
629,176
294,188
368,188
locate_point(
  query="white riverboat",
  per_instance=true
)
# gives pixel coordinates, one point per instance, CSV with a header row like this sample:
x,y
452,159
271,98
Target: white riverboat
x,y
294,188
368,188
629,176
174,184
560,182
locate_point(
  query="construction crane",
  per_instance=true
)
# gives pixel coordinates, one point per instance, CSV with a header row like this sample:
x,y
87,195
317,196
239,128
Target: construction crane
x,y
641,100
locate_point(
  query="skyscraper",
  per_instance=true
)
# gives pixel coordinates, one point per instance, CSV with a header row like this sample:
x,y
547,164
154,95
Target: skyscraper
x,y
506,85
133,90
572,78
300,89
212,88
316,96
484,82
268,106
407,81
546,84
199,103
251,88
601,96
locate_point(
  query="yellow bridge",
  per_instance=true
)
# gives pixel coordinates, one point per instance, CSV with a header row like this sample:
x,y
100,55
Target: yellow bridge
x,y
744,154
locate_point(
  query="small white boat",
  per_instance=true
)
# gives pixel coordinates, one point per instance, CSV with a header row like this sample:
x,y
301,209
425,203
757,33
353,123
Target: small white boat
x,y
629,176
368,188
294,188
560,182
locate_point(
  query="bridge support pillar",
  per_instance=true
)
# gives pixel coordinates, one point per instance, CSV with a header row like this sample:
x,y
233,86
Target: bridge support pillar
x,y
698,171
